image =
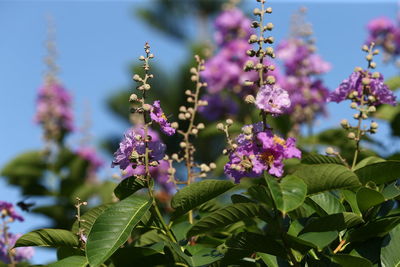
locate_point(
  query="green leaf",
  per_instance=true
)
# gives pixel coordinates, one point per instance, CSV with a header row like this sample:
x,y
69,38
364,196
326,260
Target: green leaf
x,y
391,191
390,255
320,159
289,194
319,239
351,198
269,260
368,161
393,83
72,261
368,198
89,218
326,177
196,194
380,172
326,203
338,222
350,261
128,186
48,238
223,217
113,227
376,228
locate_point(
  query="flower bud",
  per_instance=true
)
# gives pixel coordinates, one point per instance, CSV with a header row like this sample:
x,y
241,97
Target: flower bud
x,y
249,99
374,125
357,69
356,116
351,136
365,48
213,165
137,78
200,126
344,123
175,156
181,116
247,130
376,75
142,58
257,12
147,107
366,81
195,131
269,26
271,79
353,105
329,151
182,109
175,125
193,71
253,38
248,83
182,144
268,10
188,92
371,109
372,65
133,98
368,57
187,115
220,126
229,122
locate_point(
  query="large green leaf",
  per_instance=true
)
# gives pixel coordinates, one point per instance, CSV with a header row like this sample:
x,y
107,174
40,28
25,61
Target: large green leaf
x,y
351,198
196,194
72,261
380,172
48,238
368,161
326,177
376,228
128,186
320,159
319,239
223,217
113,227
368,198
338,222
390,255
289,194
88,219
391,191
326,203
350,261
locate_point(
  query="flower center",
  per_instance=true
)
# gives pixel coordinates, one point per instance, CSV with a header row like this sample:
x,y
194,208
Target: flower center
x,y
267,157
278,140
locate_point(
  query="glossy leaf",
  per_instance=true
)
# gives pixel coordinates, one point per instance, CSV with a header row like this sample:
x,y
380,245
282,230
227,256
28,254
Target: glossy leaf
x,y
350,261
391,191
380,172
368,161
390,255
196,194
320,159
338,222
368,198
48,238
326,203
376,228
223,217
326,177
319,239
128,186
113,227
289,194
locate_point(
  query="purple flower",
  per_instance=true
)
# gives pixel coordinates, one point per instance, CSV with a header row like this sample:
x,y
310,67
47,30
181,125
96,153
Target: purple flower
x,y
376,88
157,115
7,210
272,99
19,254
383,32
54,107
90,154
232,24
132,150
317,65
158,173
218,107
380,25
261,151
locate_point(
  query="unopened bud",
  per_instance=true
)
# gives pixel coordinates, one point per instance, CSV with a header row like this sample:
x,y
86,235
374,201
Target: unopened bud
x,y
142,58
195,131
181,116
229,122
329,151
175,125
353,105
351,136
137,78
133,98
269,26
271,79
372,109
356,116
376,75
372,65
374,125
268,10
368,57
200,126
182,144
365,48
249,99
220,126
344,123
213,165
253,38
366,81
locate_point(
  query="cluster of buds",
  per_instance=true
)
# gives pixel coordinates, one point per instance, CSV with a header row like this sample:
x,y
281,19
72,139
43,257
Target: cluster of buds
x,y
224,127
81,232
188,113
261,52
143,84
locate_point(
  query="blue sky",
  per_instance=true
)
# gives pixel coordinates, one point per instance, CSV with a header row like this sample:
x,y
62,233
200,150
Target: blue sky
x,y
97,40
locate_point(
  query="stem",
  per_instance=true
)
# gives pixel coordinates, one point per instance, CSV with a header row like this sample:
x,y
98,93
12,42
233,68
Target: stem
x,y
161,220
358,135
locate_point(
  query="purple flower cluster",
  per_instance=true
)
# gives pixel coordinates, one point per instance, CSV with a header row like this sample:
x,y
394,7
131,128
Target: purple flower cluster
x,y
132,149
133,144
158,173
354,87
259,151
7,210
157,115
384,33
307,92
230,25
272,99
218,106
54,107
19,254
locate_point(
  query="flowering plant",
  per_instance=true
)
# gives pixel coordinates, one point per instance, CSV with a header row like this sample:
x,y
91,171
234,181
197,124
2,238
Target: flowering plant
x,y
270,197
